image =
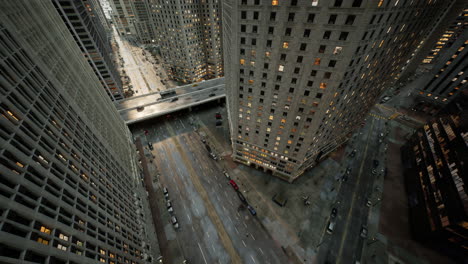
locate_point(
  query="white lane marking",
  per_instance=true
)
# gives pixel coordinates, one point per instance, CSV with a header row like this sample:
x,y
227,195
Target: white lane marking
x,y
261,251
231,202
202,253
217,197
220,185
237,231
231,220
196,209
244,243
188,217
214,250
252,236
253,259
193,229
244,224
224,208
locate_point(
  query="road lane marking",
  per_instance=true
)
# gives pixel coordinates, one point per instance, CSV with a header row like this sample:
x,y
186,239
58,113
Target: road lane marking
x,y
244,243
253,259
202,253
224,208
261,251
214,250
208,234
252,236
244,224
340,252
237,231
189,217
193,229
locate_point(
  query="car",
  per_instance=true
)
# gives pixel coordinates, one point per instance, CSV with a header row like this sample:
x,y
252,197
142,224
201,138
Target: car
x,y
219,122
242,198
213,156
330,227
150,145
374,171
375,163
211,95
169,206
218,116
334,212
348,170
344,178
251,210
203,140
234,185
226,174
166,192
363,231
174,99
140,108
368,203
174,222
353,153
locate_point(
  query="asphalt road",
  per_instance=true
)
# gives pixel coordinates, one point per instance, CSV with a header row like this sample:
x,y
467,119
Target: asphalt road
x,y
213,228
345,244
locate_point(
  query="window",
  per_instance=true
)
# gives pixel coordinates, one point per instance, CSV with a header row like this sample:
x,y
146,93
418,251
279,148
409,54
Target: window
x,y
332,63
255,15
254,42
291,90
274,2
344,35
45,230
317,61
357,3
242,40
323,85
243,27
283,57
350,19
265,65
310,83
296,70
285,45
62,247
281,68
267,54
63,237
332,19
306,33
43,241
338,3
306,93
244,2
242,61
337,50
294,80
303,46
269,43
291,17
243,14
272,16
271,30
242,51
257,2
254,29
326,35
287,32
299,59
322,48
310,18
327,75
294,2
313,73
315,2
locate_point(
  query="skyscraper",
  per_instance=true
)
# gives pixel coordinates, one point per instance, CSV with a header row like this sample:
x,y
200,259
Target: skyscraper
x,y
301,75
88,26
122,14
189,35
143,22
69,180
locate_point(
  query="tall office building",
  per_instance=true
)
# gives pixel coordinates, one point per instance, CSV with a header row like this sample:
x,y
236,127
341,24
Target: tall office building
x,y
302,74
122,16
436,170
88,26
69,179
143,22
189,36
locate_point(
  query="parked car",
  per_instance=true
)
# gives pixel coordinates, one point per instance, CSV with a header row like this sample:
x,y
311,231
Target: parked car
x,y
242,197
140,108
174,222
218,116
166,192
374,171
363,231
219,122
334,212
150,145
169,206
375,163
226,174
213,156
234,185
353,153
330,227
251,210
174,99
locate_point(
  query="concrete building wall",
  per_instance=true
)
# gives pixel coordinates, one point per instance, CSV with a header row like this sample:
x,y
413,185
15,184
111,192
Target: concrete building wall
x,y
302,75
70,190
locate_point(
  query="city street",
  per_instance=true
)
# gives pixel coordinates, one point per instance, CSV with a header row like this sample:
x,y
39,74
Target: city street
x,y
214,227
145,76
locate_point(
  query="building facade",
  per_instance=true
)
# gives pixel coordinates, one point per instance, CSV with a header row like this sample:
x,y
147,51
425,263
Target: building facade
x,y
436,176
302,75
70,186
123,16
189,36
88,26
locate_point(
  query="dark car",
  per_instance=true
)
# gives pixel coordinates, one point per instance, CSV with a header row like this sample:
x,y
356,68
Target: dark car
x,y
174,99
251,209
218,116
140,108
353,153
211,95
376,163
219,122
242,197
150,145
348,170
234,185
334,212
344,178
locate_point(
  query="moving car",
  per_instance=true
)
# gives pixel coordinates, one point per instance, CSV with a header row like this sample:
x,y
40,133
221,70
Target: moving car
x,y
368,203
166,192
242,197
218,116
330,227
344,178
169,206
140,108
363,231
353,153
213,156
174,222
251,209
150,145
334,212
219,122
234,185
174,99
226,174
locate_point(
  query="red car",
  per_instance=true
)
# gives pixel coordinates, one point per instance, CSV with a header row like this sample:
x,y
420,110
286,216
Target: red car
x,y
234,185
218,116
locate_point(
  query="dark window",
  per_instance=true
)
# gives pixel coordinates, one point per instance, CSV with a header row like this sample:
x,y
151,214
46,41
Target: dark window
x,y
294,80
242,51
332,63
265,66
270,30
287,32
326,35
255,16
319,95
291,90
283,57
296,70
310,83
243,27
291,17
322,48
350,19
243,14
244,2
257,2
344,35
357,3
242,40
294,2
303,46
269,43
264,75
254,42
272,16
313,73
338,3
278,78
299,59
310,18
306,93
327,75
372,19
332,19
306,33
254,29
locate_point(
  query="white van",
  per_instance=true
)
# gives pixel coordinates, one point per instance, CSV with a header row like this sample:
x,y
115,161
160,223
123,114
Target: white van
x,y
331,226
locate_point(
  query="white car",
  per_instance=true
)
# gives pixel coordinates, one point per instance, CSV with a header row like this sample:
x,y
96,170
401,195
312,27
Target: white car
x,y
226,174
174,222
169,207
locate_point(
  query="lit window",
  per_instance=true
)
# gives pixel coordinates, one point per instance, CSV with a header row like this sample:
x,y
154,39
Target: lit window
x,y
271,117
285,45
280,68
45,230
267,54
274,2
242,61
323,85
251,81
380,3
317,61
252,63
63,237
315,2
62,247
43,241
337,50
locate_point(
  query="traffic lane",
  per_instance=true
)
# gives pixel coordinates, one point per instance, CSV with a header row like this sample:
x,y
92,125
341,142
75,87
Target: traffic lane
x,y
195,212
241,226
